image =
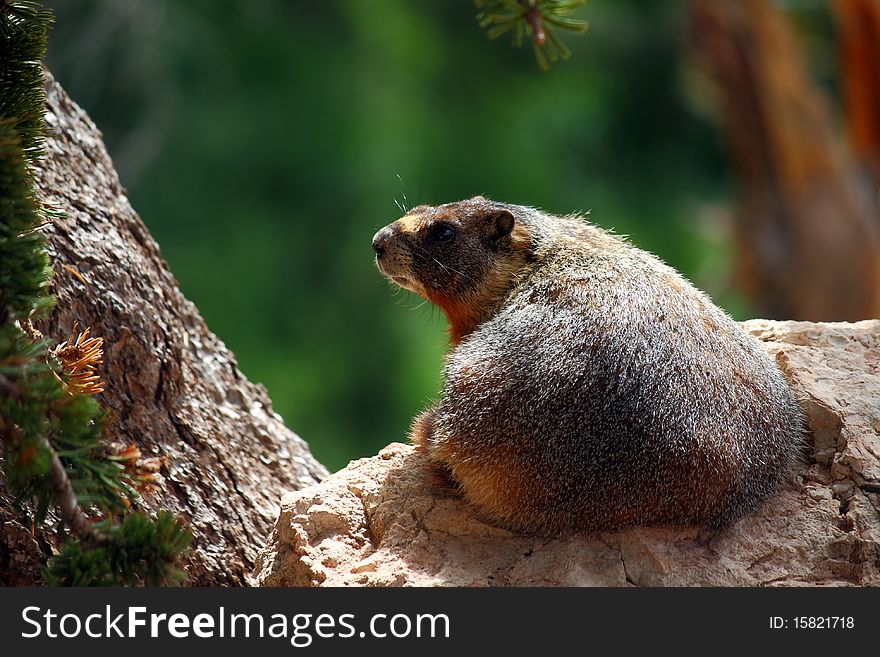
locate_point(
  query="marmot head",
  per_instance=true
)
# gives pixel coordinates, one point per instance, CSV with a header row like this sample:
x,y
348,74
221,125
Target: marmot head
x,y
460,256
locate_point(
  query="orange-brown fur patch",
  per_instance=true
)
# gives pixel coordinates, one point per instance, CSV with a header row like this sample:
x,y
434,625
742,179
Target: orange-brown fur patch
x,y
461,317
438,474
410,223
422,428
496,483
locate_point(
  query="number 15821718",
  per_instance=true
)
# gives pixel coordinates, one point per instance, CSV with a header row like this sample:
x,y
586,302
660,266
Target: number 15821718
x,y
812,623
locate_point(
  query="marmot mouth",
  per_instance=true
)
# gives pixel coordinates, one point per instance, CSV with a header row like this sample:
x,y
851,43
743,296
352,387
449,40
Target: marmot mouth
x,y
398,279
406,283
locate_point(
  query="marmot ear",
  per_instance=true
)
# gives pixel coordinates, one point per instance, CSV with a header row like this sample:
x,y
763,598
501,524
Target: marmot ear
x,y
500,224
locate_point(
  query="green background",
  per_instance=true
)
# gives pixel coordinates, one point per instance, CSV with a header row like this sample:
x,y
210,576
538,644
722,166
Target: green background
x,y
263,142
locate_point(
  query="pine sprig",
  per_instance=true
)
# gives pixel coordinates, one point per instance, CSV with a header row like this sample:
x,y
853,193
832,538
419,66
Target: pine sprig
x,y
24,263
80,356
23,34
34,406
538,19
137,551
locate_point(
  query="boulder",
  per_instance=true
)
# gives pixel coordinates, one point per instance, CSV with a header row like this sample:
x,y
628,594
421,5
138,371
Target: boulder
x,y
381,521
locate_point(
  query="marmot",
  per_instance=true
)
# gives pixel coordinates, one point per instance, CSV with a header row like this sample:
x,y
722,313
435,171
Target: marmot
x,y
588,385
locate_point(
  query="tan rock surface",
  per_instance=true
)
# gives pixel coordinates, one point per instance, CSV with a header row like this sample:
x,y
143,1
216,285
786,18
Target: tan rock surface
x,y
380,522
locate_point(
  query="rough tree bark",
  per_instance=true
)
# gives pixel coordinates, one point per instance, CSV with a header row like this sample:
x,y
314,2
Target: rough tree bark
x,y
173,388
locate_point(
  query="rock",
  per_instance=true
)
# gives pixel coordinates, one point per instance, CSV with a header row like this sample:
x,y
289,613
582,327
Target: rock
x,y
381,522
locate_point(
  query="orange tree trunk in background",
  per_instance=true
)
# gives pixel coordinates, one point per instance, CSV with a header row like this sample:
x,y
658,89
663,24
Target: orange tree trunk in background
x,y
808,228
859,28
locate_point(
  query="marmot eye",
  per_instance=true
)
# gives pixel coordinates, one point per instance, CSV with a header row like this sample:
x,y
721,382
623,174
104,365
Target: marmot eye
x,y
441,233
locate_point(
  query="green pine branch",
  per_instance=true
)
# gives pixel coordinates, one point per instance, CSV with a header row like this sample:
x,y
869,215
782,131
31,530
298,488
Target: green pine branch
x,y
23,34
539,20
137,551
50,433
24,264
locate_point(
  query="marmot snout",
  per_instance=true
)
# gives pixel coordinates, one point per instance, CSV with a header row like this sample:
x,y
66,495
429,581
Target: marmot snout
x,y
588,385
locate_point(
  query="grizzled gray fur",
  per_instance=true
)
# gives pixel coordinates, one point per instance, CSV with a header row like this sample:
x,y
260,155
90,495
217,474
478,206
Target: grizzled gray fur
x,y
588,385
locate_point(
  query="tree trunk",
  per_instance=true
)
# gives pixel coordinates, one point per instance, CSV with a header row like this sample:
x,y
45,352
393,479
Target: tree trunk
x,y
173,388
808,231
858,23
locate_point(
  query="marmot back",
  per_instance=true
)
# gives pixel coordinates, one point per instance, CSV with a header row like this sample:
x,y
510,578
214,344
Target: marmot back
x,y
588,385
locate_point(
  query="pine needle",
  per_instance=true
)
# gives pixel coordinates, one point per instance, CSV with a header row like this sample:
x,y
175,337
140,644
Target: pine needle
x,y
537,19
79,358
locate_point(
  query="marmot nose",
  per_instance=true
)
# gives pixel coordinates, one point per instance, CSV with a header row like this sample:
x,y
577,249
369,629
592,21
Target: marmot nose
x,y
380,240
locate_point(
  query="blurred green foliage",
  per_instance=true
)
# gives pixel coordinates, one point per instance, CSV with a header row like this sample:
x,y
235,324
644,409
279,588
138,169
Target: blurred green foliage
x,y
264,141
